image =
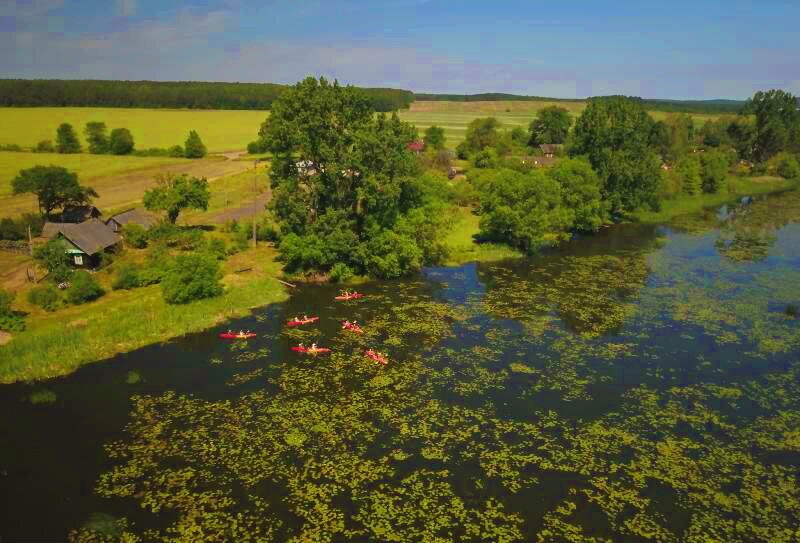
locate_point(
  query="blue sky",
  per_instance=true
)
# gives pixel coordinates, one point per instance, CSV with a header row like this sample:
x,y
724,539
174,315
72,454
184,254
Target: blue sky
x,y
675,49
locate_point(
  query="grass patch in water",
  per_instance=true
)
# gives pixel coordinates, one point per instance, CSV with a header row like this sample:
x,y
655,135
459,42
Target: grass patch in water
x,y
123,321
463,248
42,396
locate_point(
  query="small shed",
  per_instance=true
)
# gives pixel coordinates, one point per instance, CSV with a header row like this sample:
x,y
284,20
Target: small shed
x,y
132,216
416,146
85,242
78,214
549,150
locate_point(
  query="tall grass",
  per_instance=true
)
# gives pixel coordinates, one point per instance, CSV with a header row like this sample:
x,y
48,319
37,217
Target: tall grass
x,y
462,247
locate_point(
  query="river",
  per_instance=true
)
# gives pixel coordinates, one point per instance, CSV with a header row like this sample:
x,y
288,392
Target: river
x,y
642,384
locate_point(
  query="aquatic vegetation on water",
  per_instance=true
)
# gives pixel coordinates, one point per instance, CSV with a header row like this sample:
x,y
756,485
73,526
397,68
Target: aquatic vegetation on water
x,y
133,377
42,396
640,395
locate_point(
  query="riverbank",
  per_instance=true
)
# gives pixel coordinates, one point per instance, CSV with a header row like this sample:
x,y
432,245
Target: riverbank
x,y
737,187
461,244
57,344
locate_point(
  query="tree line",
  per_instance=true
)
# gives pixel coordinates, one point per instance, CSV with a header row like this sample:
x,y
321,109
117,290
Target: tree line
x,y
166,94
676,106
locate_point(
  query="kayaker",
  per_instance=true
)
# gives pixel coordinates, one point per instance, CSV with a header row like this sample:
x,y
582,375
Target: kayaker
x,y
346,324
301,346
230,332
313,347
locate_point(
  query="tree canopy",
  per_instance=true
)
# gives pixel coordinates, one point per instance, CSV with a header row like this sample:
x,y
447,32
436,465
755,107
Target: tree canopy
x,y
194,147
97,137
54,187
551,125
434,137
66,140
482,133
344,183
121,141
616,134
777,123
176,193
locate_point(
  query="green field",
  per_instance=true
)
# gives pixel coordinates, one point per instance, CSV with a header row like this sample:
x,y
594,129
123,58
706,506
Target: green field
x,y
229,130
219,130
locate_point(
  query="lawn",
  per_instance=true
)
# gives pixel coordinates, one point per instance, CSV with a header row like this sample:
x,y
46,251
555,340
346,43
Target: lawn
x,y
462,246
220,130
58,343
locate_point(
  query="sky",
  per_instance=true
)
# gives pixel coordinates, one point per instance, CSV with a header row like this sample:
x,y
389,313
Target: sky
x,y
569,49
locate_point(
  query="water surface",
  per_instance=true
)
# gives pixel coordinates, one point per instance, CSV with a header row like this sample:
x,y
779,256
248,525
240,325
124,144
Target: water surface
x,y
637,385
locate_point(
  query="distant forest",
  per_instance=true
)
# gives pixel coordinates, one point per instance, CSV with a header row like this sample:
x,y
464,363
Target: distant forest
x,y
221,95
164,94
678,106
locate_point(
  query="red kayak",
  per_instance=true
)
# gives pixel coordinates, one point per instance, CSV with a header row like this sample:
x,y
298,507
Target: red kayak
x,y
352,327
377,357
306,350
354,296
295,322
226,335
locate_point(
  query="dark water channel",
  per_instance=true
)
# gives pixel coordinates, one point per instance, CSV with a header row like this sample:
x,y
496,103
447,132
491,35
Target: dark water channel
x,y
642,384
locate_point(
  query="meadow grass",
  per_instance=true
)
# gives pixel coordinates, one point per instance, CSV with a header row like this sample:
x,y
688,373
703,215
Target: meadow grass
x,y
58,343
735,187
461,244
220,130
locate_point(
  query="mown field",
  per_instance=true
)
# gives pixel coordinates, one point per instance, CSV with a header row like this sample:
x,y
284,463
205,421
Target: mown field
x,y
119,180
220,130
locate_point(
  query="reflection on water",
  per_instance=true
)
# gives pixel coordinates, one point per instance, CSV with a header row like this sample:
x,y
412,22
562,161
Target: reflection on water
x,y
639,385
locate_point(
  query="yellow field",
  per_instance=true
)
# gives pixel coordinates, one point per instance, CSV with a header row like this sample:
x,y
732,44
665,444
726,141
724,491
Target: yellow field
x,y
219,130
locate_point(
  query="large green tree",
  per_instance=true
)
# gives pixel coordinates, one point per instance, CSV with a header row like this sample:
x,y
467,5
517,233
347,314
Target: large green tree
x,y
482,133
551,125
580,193
66,140
173,194
777,122
342,180
97,137
53,186
615,134
194,147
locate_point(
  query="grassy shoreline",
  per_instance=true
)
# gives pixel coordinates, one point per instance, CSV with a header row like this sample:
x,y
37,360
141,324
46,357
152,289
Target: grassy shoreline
x,y
737,187
57,344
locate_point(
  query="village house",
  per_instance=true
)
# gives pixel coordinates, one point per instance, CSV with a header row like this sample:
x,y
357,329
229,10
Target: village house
x,y
416,146
83,242
77,214
549,150
132,216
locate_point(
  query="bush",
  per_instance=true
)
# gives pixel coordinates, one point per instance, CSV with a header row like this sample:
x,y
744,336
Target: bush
x,y
9,320
256,147
152,151
487,159
135,236
17,229
176,151
44,146
186,239
45,296
194,146
66,140
10,147
340,272
84,288
216,248
788,168
191,277
715,170
54,259
127,278
121,141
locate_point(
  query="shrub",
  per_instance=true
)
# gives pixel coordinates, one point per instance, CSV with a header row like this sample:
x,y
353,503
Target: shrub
x,y
9,321
341,272
176,151
487,158
186,239
17,229
135,236
44,146
191,277
256,147
715,169
84,288
45,296
66,140
194,146
10,147
121,141
53,257
216,248
788,168
127,278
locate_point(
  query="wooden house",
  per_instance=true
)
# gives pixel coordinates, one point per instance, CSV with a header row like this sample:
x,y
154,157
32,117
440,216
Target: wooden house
x,y
78,214
132,216
83,242
549,150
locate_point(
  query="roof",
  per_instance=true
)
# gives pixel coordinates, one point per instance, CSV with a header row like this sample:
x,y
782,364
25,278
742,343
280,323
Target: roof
x,y
550,147
75,214
416,146
134,216
51,229
90,236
